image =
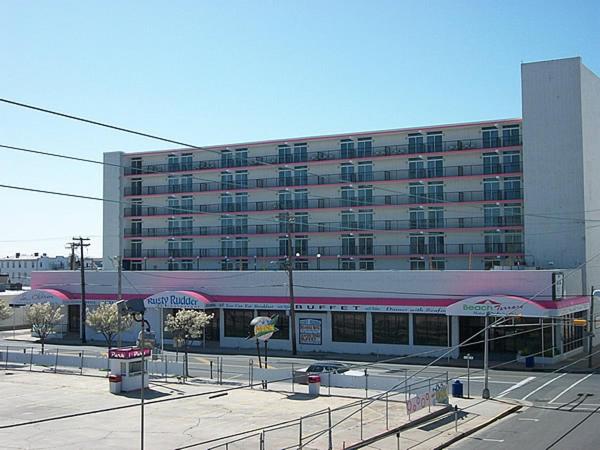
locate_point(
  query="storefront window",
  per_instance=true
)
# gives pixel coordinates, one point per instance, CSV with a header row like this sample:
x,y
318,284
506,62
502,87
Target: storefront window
x,y
283,323
390,328
430,329
349,327
237,322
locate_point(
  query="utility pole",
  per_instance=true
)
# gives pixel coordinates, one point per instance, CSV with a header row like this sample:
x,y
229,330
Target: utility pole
x,y
486,391
119,295
71,246
290,269
82,311
591,329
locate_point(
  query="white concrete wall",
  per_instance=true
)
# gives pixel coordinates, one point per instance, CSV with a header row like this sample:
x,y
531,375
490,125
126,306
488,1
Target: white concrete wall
x,y
112,213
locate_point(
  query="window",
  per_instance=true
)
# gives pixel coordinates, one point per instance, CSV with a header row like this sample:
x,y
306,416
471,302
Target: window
x,y
300,152
241,201
187,264
436,243
241,179
365,195
366,264
226,264
434,142
491,163
237,322
365,219
282,324
227,225
226,180
348,244
348,221
416,168
347,148
365,147
417,264
187,204
438,264
135,249
435,191
241,246
285,200
365,171
347,172
512,188
513,242
491,189
301,198
490,137
135,265
348,264
511,161
415,143
300,176
510,135
227,202
185,162
435,167
348,196
136,186
390,328
417,218
417,244
283,245
491,215
492,242
301,245
285,154
136,166
186,183
173,162
300,264
285,177
489,263
365,244
227,247
241,157
136,207
512,214
227,158
430,329
301,222
435,217
348,327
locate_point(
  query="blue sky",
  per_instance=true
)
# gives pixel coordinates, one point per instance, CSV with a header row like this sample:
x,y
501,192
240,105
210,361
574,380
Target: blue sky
x,y
221,72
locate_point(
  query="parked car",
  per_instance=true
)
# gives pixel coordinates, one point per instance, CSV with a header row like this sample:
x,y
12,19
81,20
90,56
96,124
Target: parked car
x,y
324,367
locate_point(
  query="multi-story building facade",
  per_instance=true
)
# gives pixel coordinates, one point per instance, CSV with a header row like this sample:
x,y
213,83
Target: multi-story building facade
x,y
20,266
444,197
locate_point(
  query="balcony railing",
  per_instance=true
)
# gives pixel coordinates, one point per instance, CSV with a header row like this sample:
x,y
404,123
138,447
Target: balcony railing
x,y
325,155
330,251
383,175
325,227
318,203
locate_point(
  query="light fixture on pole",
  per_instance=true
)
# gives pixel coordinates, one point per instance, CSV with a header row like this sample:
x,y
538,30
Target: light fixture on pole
x,y
318,261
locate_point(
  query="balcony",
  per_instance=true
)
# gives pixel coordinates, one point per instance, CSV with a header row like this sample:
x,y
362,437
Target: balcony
x,y
332,251
329,227
309,180
323,203
327,155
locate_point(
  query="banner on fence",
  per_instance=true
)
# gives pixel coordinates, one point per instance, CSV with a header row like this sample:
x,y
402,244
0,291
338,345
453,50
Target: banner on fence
x,y
437,394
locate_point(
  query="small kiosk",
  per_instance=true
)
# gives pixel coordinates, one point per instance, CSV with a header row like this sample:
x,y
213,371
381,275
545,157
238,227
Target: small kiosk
x,y
126,369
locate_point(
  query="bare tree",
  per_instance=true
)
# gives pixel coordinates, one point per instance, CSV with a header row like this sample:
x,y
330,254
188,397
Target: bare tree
x,y
43,318
105,320
5,310
186,326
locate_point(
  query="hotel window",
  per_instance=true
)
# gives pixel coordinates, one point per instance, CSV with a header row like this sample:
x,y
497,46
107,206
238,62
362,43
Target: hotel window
x,y
300,152
300,222
491,189
285,177
513,242
510,135
438,264
417,218
227,225
283,246
301,198
227,202
348,244
491,215
435,191
491,163
135,249
227,247
347,171
241,157
416,168
366,264
492,242
300,176
512,188
434,141
417,244
173,265
436,243
365,147
348,327
241,201
365,171
430,329
512,214
490,263
226,264
348,221
416,192
348,196
390,328
417,264
173,204
185,161
135,265
511,161
173,162
136,186
435,218
285,154
241,179
241,246
301,245
365,219
285,200
365,195
490,137
173,183
136,207
348,264
415,143
186,264
283,219
282,324
347,148
241,224
136,227
136,166
237,322
365,244
435,167
300,264
226,158
186,183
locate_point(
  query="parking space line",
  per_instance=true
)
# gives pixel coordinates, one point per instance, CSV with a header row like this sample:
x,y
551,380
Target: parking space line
x,y
543,386
515,386
570,387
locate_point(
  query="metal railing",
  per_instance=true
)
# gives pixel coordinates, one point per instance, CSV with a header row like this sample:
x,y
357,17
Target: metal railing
x,y
309,180
230,161
324,203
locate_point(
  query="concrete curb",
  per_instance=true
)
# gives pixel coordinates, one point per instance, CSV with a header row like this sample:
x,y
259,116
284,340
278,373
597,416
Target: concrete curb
x,y
405,426
464,434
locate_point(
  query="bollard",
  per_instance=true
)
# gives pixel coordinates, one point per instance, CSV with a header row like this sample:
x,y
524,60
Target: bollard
x,y
56,360
398,440
262,440
251,374
81,362
31,359
300,433
366,384
456,418
330,433
211,367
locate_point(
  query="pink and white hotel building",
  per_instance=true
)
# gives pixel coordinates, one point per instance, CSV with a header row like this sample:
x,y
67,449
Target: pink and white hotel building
x,y
381,205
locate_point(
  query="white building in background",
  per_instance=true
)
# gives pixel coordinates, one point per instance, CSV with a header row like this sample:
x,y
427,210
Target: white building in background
x,y
20,266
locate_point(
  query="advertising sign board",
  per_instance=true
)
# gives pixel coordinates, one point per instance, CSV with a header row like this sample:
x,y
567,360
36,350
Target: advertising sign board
x,y
310,331
437,395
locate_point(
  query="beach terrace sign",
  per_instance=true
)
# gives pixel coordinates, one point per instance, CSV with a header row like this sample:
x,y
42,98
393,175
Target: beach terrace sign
x,y
496,305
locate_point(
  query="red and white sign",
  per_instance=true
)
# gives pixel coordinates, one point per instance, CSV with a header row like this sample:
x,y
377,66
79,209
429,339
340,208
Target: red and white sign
x,y
496,305
437,394
127,353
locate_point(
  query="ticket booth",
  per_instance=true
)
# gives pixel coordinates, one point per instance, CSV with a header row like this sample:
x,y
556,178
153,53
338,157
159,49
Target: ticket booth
x,y
126,368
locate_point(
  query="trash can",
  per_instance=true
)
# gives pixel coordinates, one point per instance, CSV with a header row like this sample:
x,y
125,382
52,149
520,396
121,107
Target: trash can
x,y
314,384
529,361
457,389
115,383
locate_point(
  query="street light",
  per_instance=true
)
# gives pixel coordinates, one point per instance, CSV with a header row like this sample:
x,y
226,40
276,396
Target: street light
x,y
318,261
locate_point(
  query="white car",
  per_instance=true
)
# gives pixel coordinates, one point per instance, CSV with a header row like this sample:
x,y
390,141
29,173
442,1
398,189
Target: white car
x,y
323,367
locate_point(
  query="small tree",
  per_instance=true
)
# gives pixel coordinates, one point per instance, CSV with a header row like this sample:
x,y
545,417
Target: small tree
x,y
186,326
105,320
43,318
5,311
